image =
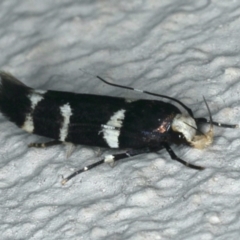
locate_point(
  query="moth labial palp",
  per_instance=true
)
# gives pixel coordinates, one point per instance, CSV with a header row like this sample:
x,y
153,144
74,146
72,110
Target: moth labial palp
x,y
140,126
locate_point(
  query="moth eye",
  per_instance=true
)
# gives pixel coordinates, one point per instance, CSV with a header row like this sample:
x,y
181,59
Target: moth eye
x,y
181,136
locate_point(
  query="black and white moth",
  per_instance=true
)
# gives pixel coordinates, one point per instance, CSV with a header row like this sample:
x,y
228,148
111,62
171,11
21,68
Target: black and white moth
x,y
140,126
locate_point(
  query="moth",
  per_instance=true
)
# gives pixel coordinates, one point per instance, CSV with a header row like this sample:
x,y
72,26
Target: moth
x,y
137,126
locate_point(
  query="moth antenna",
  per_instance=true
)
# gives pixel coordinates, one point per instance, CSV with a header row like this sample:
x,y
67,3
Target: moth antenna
x,y
210,115
149,93
143,91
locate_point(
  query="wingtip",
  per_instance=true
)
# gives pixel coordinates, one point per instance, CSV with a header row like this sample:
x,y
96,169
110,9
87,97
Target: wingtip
x,y
7,76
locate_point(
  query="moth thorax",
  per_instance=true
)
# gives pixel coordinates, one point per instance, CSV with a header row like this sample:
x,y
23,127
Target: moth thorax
x,y
186,125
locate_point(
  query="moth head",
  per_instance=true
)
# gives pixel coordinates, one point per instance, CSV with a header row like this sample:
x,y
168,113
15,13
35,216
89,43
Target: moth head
x,y
186,125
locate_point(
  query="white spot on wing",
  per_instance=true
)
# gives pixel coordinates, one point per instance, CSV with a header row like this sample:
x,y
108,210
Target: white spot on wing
x,y
66,112
111,135
35,97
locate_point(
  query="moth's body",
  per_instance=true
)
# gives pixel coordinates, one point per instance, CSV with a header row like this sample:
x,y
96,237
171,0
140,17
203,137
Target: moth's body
x,y
86,119
103,121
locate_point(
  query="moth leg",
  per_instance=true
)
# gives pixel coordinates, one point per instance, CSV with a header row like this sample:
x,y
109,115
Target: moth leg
x,y
175,157
110,159
46,144
223,125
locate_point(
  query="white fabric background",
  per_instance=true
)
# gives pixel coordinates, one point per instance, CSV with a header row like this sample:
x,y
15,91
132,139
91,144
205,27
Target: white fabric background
x,y
185,49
